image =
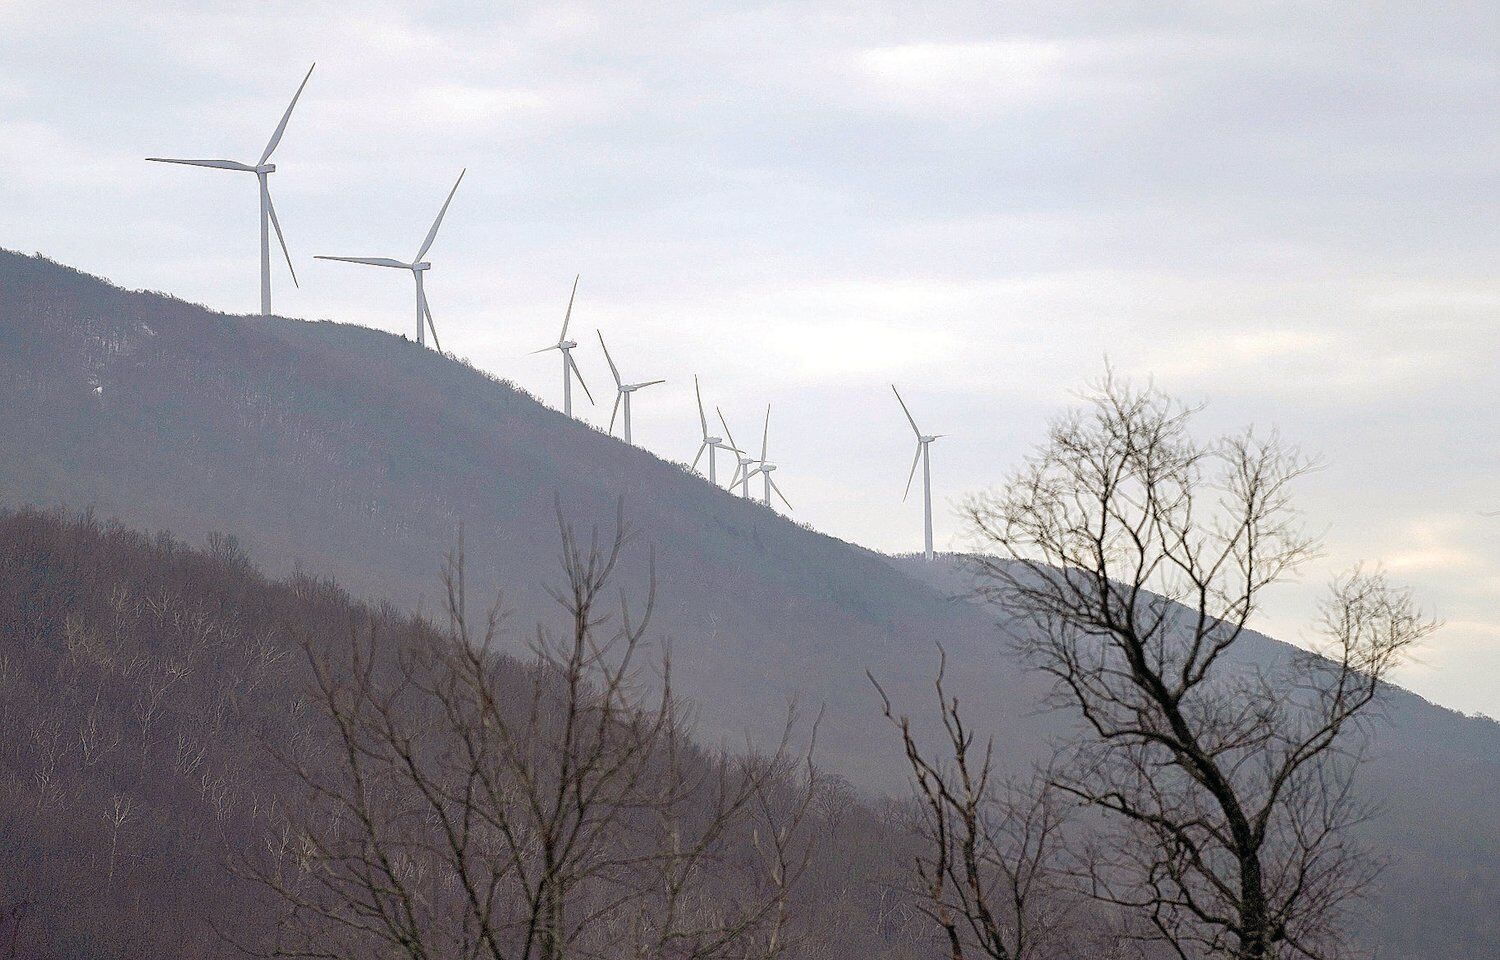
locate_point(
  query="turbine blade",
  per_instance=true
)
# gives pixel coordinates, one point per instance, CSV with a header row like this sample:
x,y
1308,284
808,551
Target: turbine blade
x,y
612,368
725,424
271,208
701,448
781,495
545,349
913,472
216,164
579,374
751,474
432,234
372,261
568,317
430,325
648,383
701,418
909,417
766,435
281,127
618,395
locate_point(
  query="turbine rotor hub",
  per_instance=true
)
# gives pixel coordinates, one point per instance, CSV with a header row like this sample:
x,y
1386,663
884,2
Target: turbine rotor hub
x,y
424,265
266,168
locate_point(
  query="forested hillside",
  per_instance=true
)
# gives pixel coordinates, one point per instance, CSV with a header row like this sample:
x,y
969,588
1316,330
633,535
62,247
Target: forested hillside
x,y
358,455
146,688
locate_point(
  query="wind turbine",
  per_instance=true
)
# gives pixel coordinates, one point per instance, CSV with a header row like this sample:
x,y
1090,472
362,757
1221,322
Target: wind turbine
x,y
418,266
711,444
765,468
622,391
741,472
262,169
924,441
570,366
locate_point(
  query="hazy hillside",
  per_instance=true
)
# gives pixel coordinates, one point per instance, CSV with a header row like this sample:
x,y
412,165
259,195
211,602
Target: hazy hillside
x,y
358,454
140,682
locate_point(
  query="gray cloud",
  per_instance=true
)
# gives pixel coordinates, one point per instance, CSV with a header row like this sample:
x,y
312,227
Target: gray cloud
x,y
1288,210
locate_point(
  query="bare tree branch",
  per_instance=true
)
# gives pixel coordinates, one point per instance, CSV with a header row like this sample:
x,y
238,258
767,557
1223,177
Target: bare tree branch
x,y
478,805
986,872
1134,557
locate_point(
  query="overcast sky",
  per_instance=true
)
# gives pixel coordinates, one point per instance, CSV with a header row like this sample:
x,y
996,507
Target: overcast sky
x,y
1286,210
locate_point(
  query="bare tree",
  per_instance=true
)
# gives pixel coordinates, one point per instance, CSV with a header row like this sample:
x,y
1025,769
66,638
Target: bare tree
x,y
115,817
989,849
478,805
12,918
1133,556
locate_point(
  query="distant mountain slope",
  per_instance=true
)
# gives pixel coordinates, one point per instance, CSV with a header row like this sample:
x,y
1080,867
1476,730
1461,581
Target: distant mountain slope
x,y
140,682
359,454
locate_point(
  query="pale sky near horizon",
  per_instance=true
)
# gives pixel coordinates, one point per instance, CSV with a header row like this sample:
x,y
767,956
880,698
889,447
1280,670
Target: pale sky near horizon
x,y
1285,210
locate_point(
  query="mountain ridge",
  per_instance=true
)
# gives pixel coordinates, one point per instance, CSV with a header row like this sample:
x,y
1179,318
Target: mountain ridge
x,y
358,454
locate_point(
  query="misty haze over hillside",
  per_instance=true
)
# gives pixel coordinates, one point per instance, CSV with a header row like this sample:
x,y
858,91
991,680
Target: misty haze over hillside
x,y
355,454
342,630
1284,211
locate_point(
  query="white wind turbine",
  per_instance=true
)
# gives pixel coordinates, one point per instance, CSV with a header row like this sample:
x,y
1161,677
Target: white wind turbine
x,y
418,266
622,391
741,472
262,170
570,366
711,444
765,467
924,441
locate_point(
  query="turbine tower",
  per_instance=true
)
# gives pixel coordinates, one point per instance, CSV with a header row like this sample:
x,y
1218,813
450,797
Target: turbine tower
x,y
741,472
418,266
924,441
622,391
570,366
765,467
711,444
262,169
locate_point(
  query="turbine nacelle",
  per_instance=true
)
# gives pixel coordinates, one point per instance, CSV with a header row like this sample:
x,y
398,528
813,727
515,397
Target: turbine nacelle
x,y
417,266
262,168
924,440
566,347
623,390
764,467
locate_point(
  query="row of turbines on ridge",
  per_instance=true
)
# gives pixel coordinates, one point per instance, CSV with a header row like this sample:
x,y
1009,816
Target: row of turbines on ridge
x,y
747,467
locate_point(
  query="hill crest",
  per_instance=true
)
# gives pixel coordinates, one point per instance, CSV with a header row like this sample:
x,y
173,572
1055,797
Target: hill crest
x,y
358,454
